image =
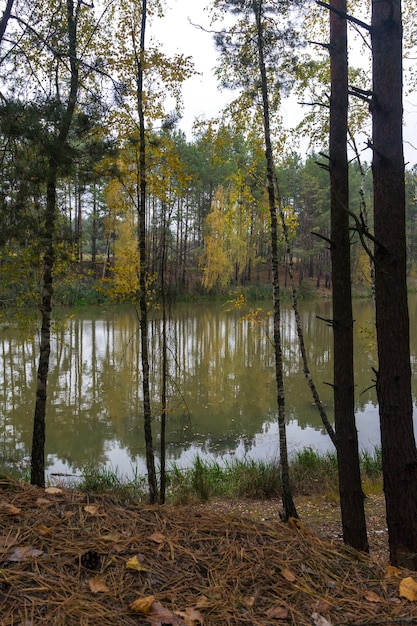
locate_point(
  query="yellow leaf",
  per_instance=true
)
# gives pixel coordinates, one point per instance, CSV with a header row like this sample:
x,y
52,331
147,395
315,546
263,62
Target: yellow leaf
x,y
134,563
288,575
372,597
91,508
408,589
157,537
53,490
392,572
142,605
297,524
98,585
9,509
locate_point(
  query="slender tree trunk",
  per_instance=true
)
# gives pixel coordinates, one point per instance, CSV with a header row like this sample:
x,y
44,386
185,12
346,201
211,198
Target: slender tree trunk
x,y
37,473
289,509
57,152
350,486
143,273
399,456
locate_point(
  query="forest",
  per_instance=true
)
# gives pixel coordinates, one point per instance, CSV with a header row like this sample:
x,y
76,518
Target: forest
x,y
104,198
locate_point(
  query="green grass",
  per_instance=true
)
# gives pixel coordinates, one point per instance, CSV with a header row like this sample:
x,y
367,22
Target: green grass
x,y
310,473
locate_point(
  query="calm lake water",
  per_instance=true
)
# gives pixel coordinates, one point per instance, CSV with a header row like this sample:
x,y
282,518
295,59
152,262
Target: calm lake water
x,y
222,397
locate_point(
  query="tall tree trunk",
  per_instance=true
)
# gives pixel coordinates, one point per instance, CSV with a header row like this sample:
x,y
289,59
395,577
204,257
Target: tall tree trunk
x,y
143,273
350,487
399,456
289,509
57,152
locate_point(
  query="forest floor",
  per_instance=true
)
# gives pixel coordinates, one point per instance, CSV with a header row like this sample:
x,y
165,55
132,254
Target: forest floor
x,y
69,558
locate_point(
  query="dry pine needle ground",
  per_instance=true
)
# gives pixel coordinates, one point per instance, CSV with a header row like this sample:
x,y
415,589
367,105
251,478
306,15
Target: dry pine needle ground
x,y
64,561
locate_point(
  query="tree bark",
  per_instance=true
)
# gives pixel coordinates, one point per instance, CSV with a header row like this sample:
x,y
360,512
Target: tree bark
x,y
350,487
393,383
57,148
143,273
289,509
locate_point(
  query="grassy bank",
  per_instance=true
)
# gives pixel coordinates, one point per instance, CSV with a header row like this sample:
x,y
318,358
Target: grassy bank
x,y
311,473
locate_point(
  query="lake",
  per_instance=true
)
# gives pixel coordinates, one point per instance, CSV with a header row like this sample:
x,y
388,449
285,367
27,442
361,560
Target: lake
x,y
222,397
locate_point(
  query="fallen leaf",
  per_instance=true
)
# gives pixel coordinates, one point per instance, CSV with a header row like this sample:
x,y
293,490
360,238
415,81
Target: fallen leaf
x,y
371,596
203,602
92,509
288,575
9,509
320,606
277,612
142,605
43,530
319,620
68,514
111,537
134,563
98,585
43,502
157,537
392,572
249,601
22,554
297,524
53,490
6,541
163,616
408,589
190,616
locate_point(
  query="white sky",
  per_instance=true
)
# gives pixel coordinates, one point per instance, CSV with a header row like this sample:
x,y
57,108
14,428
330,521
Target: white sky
x,y
201,96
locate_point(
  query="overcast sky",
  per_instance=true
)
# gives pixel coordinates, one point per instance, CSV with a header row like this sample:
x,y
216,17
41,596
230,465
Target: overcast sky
x,y
202,98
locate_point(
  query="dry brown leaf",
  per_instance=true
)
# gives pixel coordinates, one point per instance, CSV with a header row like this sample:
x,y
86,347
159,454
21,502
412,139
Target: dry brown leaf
x,y
98,585
160,615
408,589
203,603
6,541
9,509
142,605
134,563
371,596
249,600
43,502
53,490
288,575
23,553
320,606
92,509
111,537
68,514
43,530
190,616
277,612
157,537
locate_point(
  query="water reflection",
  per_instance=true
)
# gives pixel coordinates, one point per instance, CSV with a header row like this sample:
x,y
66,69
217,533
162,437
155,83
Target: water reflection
x,y
221,386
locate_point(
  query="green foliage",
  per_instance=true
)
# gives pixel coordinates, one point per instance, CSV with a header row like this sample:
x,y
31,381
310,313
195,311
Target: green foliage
x,y
105,481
